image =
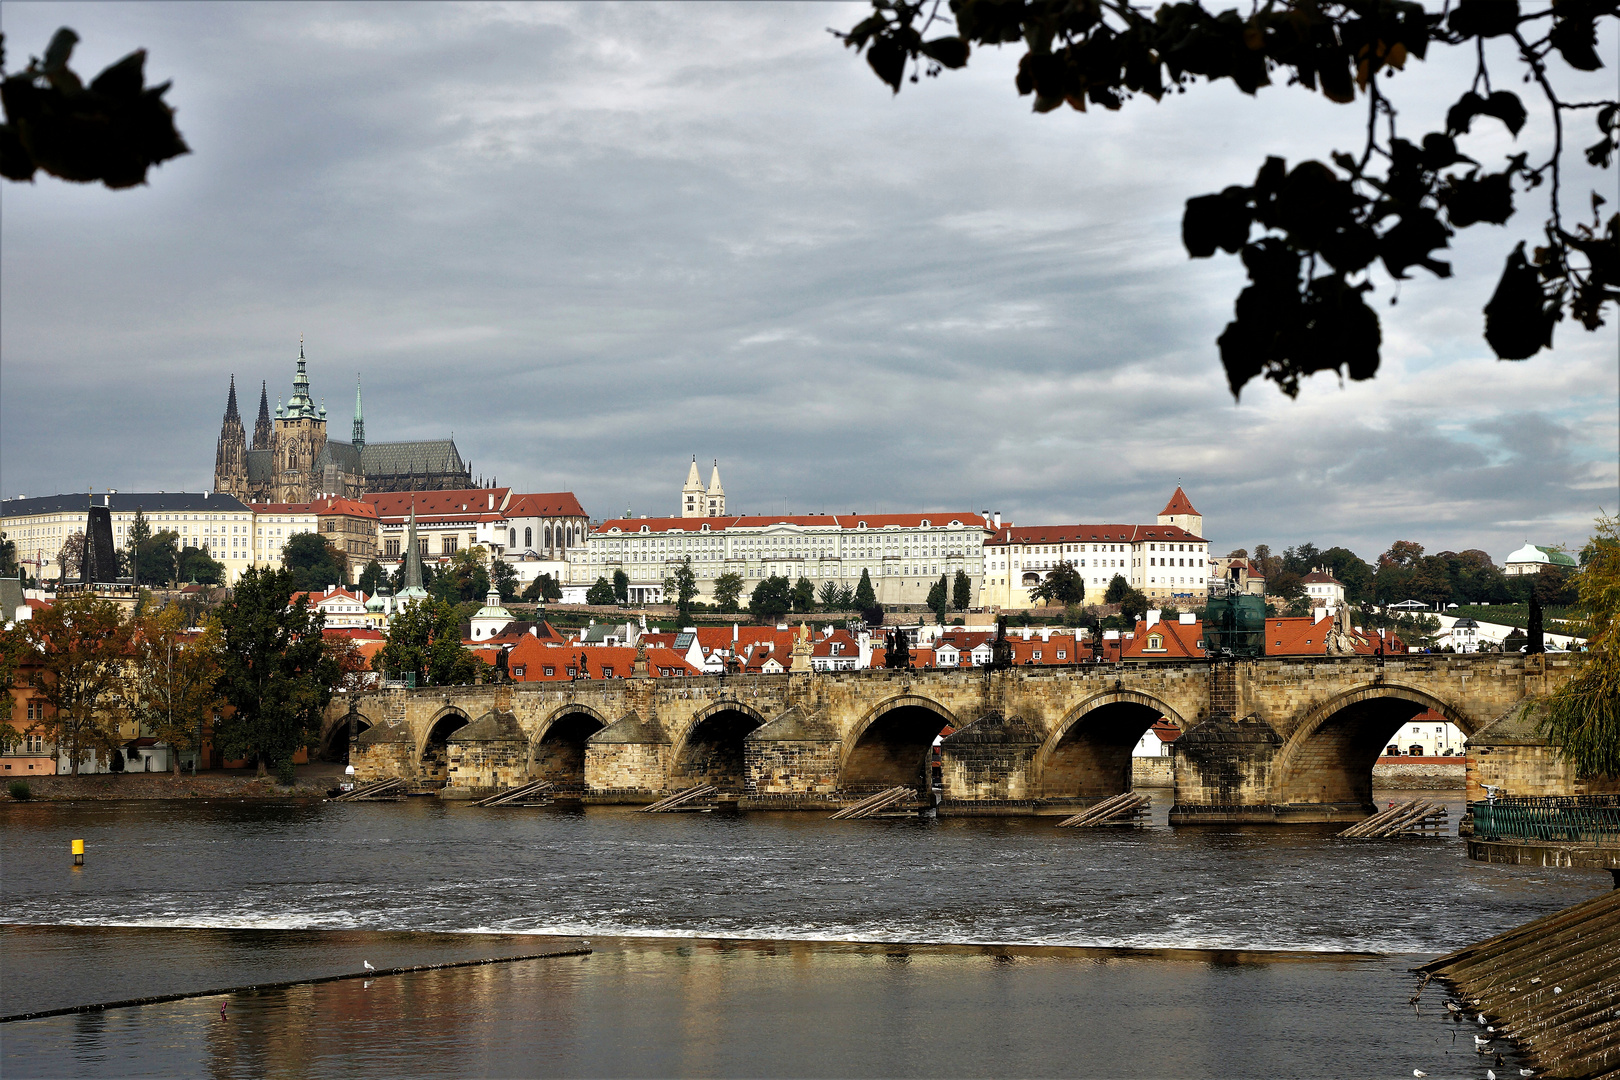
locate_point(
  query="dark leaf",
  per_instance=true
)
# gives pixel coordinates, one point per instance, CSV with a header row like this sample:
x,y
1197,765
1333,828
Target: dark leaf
x,y
15,162
123,79
1469,200
888,60
1440,151
1576,40
1484,18
1411,240
1518,323
1216,221
1506,107
952,52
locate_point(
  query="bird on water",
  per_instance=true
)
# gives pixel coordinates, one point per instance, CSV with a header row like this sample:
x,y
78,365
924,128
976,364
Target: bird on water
x,y
367,963
1419,1072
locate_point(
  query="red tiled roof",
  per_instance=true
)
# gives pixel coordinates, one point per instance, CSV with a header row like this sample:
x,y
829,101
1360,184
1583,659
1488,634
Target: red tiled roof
x,y
1180,641
826,521
1317,577
282,508
1305,636
593,662
1179,504
548,504
339,505
439,504
1089,534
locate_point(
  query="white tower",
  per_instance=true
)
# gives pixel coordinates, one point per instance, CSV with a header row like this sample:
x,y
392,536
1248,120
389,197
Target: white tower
x,y
717,495
692,497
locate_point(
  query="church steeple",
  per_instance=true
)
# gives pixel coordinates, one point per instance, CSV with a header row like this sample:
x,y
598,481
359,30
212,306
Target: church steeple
x,y
230,404
716,496
359,438
230,455
301,404
413,590
692,504
262,431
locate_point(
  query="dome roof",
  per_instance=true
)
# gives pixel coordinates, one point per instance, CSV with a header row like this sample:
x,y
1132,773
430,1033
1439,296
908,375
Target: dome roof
x,y
1528,553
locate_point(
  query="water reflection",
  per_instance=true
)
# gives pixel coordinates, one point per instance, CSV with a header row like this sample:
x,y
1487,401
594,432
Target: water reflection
x,y
643,1008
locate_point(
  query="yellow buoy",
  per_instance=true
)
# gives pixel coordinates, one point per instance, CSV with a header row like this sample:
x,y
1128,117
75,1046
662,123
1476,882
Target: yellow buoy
x,y
78,853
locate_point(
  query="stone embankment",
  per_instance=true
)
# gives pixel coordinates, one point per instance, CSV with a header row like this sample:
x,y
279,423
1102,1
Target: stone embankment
x,y
1548,985
112,787
1421,773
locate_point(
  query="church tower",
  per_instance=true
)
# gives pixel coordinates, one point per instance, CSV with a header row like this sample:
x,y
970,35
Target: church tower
x,y
716,497
692,496
1179,512
230,457
263,433
299,439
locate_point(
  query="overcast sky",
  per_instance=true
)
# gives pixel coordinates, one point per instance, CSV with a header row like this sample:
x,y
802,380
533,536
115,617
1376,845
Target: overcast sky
x,y
593,241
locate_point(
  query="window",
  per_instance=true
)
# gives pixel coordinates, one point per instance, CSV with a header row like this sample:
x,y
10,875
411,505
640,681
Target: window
x,y
528,538
553,671
449,545
1155,643
517,673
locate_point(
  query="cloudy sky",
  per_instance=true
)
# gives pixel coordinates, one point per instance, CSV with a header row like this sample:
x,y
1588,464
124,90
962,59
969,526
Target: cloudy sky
x,y
593,241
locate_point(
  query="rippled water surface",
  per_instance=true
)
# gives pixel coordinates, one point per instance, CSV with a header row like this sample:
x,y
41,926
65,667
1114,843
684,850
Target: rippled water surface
x,y
1003,989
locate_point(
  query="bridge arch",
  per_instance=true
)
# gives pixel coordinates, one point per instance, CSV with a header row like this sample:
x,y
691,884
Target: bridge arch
x,y
1088,754
335,739
710,751
434,753
890,745
558,750
1330,755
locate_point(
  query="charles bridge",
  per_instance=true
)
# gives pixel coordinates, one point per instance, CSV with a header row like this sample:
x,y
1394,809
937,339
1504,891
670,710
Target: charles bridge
x,y
1273,740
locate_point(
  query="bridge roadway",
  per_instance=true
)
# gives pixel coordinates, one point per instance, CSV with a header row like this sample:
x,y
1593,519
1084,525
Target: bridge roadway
x,y
1273,740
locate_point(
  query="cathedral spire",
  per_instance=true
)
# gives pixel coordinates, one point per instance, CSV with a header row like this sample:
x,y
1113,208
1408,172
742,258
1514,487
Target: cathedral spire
x,y
230,404
262,431
359,439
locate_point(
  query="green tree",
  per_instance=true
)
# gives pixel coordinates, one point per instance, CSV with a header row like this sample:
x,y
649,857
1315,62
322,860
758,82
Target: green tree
x,y
70,556
465,578
804,595
424,639
313,562
865,595
1582,718
828,595
372,576
728,589
196,564
503,579
1117,588
962,591
772,598
81,643
1285,584
276,671
543,589
601,594
681,585
1063,585
1322,228
1353,573
174,677
939,599
621,586
8,557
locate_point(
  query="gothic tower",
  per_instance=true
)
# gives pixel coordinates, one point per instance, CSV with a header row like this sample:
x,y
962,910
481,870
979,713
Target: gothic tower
x,y
230,457
692,498
263,433
359,437
716,496
299,439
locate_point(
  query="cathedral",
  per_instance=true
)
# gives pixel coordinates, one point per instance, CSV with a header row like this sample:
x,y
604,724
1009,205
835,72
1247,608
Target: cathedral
x,y
292,461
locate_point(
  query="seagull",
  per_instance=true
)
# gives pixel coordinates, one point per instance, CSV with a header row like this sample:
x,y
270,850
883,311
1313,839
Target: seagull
x,y
1419,1072
1534,980
1489,1028
1481,1019
1480,1040
1558,989
367,963
1527,1072
1490,1074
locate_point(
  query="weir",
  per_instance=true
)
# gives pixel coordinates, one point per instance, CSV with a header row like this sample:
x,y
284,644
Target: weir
x,y
1274,740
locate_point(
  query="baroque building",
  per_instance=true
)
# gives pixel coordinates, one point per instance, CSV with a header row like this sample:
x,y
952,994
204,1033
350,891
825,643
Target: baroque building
x,y
292,461
697,502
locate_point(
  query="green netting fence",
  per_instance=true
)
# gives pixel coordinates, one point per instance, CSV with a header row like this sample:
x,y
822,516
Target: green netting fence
x,y
1568,820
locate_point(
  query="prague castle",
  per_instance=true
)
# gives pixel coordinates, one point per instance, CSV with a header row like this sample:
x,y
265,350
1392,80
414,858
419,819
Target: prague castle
x,y
292,461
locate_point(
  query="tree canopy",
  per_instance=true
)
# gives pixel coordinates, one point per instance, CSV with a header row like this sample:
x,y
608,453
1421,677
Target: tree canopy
x,y
1310,236
275,671
424,639
772,598
1582,719
728,589
601,594
173,678
82,645
313,562
1063,585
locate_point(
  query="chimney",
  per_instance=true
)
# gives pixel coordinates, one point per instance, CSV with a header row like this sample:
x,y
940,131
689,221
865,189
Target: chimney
x,y
1046,633
998,522
492,500
1153,616
733,633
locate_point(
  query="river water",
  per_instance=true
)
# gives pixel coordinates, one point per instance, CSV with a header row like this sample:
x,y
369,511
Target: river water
x,y
734,945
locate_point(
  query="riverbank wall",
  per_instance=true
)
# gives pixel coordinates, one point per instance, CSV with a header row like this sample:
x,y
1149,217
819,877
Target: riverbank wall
x,y
114,787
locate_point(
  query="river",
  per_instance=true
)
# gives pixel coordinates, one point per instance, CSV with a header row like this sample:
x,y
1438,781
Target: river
x,y
752,944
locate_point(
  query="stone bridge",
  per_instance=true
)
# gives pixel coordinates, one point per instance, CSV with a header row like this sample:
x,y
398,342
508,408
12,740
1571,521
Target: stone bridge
x,y
1286,739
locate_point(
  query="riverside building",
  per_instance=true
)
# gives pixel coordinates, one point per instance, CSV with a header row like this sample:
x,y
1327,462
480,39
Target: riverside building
x,y
218,522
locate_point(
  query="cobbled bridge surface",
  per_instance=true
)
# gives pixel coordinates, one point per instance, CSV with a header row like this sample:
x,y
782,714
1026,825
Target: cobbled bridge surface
x,y
1274,740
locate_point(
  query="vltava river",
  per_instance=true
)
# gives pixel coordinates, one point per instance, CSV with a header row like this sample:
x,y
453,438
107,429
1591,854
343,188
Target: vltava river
x,y
733,945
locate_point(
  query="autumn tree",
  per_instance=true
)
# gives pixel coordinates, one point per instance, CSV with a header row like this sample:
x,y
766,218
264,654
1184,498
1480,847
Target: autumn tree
x,y
1311,236
1582,719
82,644
276,672
174,677
70,556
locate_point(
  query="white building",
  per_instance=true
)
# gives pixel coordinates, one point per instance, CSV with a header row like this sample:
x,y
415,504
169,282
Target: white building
x,y
903,554
1531,558
1167,560
221,523
533,532
1325,590
276,523
1428,735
